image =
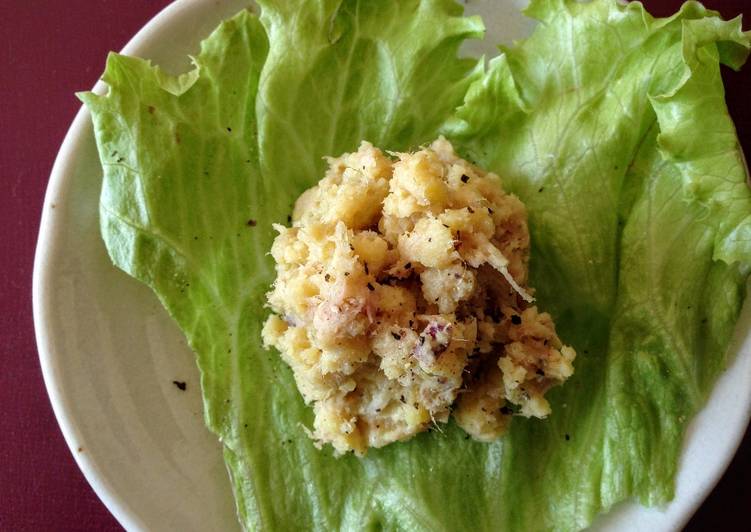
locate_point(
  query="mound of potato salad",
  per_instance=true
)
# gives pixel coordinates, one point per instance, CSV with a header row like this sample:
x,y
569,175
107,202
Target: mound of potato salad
x,y
401,299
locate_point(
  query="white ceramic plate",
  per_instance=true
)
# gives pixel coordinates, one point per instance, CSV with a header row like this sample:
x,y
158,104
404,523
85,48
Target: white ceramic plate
x,y
109,352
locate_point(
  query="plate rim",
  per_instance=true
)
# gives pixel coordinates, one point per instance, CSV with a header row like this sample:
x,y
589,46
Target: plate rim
x,y
42,277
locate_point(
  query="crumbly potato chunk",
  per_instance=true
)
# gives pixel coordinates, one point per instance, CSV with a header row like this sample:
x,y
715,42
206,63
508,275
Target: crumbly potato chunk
x,y
401,299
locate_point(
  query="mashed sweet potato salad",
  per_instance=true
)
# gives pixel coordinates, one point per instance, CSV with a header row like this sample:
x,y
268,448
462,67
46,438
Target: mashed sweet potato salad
x,y
401,298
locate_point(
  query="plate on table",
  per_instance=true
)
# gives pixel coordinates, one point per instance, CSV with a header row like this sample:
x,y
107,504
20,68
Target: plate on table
x,y
115,363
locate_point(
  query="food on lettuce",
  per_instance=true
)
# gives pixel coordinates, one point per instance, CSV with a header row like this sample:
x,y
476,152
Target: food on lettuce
x,y
609,124
401,294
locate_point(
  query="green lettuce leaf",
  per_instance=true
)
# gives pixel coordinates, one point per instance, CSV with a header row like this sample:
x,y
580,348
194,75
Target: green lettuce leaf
x,y
612,127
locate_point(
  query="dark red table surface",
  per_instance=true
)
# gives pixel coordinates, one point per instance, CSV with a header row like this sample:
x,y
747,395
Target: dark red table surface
x,y
48,50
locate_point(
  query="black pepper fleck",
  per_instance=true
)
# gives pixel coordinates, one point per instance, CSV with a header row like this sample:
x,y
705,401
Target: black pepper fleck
x,y
465,178
181,385
516,319
252,223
